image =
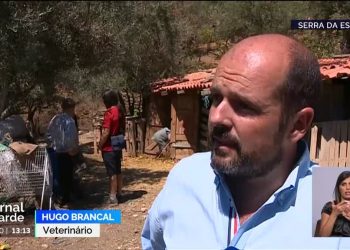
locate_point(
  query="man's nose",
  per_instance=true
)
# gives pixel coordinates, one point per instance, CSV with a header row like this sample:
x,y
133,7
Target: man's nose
x,y
221,114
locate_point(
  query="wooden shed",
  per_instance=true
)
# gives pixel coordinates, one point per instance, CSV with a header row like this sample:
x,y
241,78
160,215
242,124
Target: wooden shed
x,y
330,134
180,103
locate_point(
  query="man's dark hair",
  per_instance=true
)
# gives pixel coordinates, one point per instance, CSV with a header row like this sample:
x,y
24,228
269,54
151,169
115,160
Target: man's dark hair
x,y
303,82
67,103
110,98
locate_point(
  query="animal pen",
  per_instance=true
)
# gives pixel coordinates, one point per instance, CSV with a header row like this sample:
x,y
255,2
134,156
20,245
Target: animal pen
x,y
134,134
330,133
30,177
330,143
181,104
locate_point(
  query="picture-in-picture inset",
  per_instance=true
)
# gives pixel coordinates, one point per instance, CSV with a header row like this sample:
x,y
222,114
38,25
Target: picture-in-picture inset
x,y
331,202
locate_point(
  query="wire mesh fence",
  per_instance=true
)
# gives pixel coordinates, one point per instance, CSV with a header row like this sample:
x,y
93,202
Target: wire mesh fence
x,y
31,177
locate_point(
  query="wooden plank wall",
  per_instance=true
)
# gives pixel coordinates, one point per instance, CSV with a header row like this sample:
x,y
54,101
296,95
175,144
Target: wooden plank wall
x,y
330,143
158,117
203,130
184,124
134,135
97,128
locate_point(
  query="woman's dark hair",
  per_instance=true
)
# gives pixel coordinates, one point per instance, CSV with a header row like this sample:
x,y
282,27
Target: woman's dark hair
x,y
110,98
344,175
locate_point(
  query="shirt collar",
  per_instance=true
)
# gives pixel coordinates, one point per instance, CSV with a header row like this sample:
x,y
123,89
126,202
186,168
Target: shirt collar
x,y
283,198
301,169
286,194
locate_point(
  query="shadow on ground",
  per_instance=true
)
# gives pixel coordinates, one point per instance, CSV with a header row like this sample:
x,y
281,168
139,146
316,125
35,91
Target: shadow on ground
x,y
132,176
94,184
87,148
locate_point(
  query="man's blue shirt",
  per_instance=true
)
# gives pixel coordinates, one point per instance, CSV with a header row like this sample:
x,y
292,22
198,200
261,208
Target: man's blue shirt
x,y
193,212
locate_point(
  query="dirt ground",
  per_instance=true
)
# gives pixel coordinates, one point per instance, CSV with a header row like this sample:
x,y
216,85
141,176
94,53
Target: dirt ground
x,y
143,178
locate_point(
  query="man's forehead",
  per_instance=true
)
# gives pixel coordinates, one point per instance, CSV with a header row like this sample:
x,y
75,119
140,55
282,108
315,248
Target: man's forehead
x,y
255,55
265,42
255,62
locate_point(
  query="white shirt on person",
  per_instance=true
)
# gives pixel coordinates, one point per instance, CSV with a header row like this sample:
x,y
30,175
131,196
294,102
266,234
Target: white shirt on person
x,y
62,134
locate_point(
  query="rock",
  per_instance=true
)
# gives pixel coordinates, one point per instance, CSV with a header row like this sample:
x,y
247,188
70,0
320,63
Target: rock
x,y
44,245
135,215
143,209
58,240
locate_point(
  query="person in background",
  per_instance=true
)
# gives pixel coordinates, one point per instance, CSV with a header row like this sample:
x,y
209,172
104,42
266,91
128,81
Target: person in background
x,y
162,138
62,136
112,125
335,216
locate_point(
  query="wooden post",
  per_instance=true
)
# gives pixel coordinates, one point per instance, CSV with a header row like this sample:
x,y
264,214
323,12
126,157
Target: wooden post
x,y
324,154
133,133
337,143
313,143
331,143
137,136
95,131
343,143
95,141
140,127
173,127
128,137
127,141
131,136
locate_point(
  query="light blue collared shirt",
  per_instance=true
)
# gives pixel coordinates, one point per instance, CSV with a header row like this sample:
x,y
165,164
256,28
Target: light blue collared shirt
x,y
193,212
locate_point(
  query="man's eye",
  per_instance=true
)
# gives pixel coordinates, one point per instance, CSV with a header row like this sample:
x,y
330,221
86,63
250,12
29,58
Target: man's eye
x,y
244,109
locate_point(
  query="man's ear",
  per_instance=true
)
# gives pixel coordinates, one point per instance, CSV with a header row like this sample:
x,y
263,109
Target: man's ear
x,y
302,123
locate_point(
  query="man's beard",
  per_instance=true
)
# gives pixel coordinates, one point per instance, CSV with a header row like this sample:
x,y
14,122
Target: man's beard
x,y
245,165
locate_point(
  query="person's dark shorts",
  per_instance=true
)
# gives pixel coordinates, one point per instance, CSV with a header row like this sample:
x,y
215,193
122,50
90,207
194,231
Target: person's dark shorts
x,y
112,161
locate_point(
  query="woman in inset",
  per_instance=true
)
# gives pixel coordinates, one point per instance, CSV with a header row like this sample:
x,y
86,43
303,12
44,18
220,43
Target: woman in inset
x,y
335,218
113,124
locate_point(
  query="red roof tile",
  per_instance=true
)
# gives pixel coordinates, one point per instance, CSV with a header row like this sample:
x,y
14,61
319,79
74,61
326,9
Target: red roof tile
x,y
329,67
197,80
334,67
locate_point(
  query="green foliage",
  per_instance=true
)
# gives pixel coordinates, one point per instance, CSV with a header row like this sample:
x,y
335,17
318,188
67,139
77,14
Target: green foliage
x,y
91,46
30,56
140,45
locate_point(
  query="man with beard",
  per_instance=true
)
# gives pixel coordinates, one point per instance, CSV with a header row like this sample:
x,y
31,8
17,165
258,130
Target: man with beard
x,y
253,191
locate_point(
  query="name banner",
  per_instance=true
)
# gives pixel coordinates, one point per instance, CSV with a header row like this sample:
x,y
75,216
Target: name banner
x,y
78,216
